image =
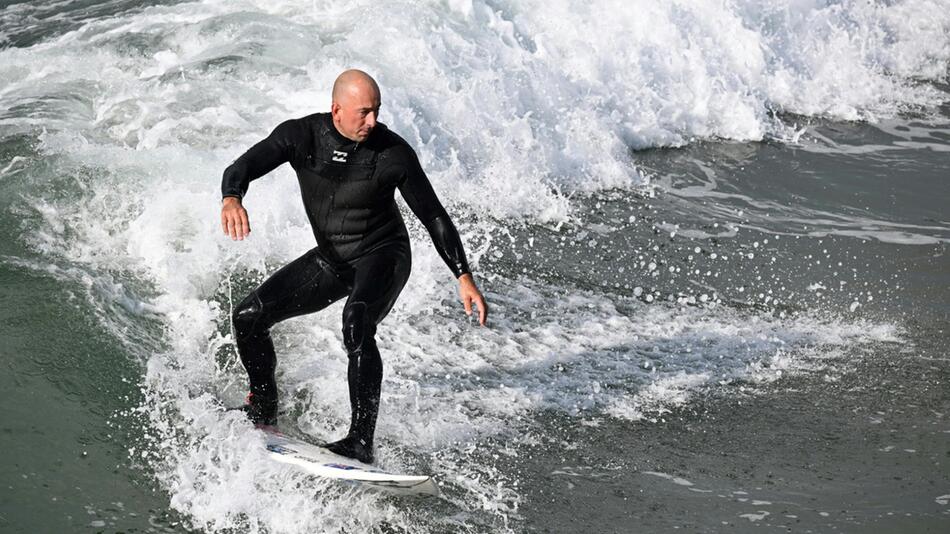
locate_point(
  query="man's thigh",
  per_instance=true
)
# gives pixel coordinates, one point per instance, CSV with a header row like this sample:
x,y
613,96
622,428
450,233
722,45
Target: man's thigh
x,y
305,285
378,279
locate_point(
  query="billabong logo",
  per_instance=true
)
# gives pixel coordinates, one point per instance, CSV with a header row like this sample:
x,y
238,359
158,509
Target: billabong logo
x,y
339,157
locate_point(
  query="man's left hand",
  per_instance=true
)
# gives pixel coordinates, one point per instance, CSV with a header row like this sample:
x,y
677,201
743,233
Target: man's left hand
x,y
470,294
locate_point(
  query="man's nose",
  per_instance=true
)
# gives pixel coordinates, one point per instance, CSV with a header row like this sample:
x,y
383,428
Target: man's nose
x,y
371,119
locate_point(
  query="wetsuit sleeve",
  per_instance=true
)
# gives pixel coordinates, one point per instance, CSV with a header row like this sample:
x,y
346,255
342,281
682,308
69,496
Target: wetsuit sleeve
x,y
259,160
424,203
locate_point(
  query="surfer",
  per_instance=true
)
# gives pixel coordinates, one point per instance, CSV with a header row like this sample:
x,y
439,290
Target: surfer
x,y
348,166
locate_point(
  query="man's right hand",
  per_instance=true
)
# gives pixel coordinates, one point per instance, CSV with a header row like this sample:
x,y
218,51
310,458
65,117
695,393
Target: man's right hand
x,y
234,218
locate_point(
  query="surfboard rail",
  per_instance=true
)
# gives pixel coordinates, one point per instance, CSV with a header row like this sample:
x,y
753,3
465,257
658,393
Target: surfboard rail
x,y
321,462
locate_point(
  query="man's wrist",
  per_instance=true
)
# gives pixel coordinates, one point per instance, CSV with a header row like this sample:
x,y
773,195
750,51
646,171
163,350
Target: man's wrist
x,y
231,198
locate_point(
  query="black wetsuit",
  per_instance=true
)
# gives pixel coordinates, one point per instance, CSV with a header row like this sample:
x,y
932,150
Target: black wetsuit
x,y
362,253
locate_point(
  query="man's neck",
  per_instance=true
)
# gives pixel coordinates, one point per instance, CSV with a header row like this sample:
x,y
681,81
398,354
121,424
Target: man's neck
x,y
341,136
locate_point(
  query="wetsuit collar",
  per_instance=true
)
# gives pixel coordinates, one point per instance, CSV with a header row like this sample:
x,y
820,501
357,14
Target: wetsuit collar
x,y
342,140
335,134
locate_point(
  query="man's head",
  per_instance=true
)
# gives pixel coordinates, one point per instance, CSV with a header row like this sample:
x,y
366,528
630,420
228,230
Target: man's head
x,y
355,105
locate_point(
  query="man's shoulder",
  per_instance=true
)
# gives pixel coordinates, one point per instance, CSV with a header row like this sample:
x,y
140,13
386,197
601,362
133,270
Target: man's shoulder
x,y
310,122
300,125
386,140
314,118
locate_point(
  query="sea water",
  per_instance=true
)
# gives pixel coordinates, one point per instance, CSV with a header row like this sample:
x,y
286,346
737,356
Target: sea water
x,y
699,225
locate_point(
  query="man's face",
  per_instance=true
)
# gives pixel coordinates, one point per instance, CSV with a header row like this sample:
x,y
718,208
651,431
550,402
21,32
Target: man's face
x,y
355,112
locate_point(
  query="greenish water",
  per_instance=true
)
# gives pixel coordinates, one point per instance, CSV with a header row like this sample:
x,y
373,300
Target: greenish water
x,y
67,428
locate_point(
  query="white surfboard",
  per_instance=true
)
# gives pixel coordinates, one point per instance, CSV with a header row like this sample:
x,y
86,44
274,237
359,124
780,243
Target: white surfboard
x,y
323,463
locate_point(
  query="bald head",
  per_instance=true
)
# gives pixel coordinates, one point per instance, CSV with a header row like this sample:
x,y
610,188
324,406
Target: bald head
x,y
354,81
355,106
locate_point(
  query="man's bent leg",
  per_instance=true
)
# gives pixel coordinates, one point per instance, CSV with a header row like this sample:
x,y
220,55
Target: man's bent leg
x,y
252,335
378,280
305,285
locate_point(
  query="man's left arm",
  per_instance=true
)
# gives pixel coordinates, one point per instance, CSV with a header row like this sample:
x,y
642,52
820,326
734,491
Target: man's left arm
x,y
424,203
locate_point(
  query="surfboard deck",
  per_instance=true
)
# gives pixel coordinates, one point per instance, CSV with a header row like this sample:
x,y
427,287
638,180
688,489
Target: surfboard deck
x,y
322,463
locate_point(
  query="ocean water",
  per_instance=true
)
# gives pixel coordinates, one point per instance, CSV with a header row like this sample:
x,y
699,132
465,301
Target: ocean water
x,y
713,235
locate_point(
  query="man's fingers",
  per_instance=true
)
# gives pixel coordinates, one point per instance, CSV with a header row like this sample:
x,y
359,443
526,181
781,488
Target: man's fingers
x,y
245,225
482,311
227,224
235,224
471,296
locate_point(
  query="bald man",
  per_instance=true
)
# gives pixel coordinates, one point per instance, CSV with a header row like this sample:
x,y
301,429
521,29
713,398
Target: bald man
x,y
349,167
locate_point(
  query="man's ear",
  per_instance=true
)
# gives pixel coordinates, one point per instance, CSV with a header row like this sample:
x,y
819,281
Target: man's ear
x,y
334,109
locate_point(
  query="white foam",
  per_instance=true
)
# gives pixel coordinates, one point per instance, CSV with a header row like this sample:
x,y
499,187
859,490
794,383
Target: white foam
x,y
674,479
755,517
527,102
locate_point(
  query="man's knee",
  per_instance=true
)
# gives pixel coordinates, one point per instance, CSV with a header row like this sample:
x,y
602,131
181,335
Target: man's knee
x,y
359,330
247,316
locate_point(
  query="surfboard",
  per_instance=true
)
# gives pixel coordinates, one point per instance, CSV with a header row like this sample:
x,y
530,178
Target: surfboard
x,y
322,463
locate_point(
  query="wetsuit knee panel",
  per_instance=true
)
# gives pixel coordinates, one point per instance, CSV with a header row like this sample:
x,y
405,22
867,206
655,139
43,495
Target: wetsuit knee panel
x,y
358,330
246,317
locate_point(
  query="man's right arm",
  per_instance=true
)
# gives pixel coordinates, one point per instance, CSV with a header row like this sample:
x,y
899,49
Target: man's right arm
x,y
262,158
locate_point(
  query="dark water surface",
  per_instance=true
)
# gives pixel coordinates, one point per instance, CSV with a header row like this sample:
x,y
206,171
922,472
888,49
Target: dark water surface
x,y
66,463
